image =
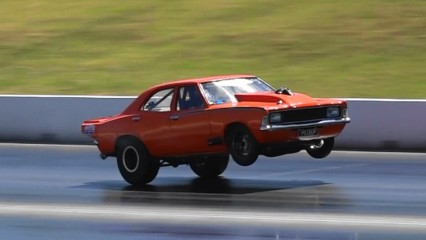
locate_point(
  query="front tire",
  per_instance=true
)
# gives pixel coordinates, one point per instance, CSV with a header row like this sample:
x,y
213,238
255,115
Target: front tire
x,y
135,163
323,151
210,167
242,145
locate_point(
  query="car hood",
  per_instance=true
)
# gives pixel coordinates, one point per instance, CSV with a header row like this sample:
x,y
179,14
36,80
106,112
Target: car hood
x,y
294,100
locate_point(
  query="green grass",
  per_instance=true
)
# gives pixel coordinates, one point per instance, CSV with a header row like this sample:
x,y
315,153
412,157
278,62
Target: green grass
x,y
333,48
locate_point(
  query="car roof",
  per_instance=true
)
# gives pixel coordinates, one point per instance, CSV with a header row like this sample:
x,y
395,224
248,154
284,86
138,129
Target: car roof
x,y
205,79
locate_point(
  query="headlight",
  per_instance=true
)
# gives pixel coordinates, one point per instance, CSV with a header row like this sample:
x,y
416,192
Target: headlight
x,y
333,112
275,117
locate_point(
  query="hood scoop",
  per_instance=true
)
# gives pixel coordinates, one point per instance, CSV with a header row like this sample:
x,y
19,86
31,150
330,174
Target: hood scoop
x,y
258,97
284,90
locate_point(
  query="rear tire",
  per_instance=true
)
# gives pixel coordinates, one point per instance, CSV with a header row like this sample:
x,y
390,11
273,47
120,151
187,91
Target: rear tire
x,y
135,163
210,167
322,151
242,145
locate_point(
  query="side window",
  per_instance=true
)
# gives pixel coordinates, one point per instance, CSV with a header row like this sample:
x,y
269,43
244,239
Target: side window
x,y
161,101
189,98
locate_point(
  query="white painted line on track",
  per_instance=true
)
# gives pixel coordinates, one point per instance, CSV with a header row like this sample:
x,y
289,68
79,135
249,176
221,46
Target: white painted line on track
x,y
212,216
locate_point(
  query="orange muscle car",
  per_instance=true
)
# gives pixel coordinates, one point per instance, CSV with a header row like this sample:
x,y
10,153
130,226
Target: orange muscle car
x,y
201,122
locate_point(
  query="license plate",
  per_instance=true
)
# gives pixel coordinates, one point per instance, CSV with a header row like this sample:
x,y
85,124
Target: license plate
x,y
308,132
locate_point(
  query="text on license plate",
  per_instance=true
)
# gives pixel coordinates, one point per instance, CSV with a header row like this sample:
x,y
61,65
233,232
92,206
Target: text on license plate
x,y
308,132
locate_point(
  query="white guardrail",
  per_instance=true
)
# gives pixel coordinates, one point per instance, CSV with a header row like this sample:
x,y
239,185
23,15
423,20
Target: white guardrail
x,y
377,124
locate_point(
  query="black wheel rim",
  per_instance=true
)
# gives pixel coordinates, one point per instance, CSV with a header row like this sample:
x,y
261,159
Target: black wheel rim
x,y
200,164
242,144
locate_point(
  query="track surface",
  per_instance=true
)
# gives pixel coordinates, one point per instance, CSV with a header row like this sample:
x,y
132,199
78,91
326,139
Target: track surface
x,y
67,192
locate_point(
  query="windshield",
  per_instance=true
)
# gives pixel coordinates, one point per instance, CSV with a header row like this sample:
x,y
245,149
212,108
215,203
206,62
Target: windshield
x,y
223,91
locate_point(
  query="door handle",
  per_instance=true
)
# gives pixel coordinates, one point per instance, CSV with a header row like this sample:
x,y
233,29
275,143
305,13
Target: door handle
x,y
174,117
136,118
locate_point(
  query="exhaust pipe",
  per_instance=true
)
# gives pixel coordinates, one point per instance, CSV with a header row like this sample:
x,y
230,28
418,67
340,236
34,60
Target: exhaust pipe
x,y
317,145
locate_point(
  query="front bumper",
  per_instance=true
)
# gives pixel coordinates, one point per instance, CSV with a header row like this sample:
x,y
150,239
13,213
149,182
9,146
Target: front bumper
x,y
273,127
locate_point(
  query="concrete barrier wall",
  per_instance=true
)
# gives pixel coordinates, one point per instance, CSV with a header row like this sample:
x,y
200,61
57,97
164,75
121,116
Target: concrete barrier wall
x,y
381,124
385,124
395,125
53,119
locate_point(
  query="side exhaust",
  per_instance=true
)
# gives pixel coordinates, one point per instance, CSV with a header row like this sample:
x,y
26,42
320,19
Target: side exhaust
x,y
317,145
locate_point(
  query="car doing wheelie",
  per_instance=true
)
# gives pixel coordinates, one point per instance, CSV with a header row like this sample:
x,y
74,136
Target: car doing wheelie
x,y
202,122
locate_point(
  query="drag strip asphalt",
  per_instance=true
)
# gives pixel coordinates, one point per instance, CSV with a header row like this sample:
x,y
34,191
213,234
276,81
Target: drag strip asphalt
x,y
69,192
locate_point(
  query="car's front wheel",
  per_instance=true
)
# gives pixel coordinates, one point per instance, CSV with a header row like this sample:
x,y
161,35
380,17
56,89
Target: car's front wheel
x,y
322,150
242,145
210,167
135,163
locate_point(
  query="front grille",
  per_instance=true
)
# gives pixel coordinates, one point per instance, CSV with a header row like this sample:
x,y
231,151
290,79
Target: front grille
x,y
304,115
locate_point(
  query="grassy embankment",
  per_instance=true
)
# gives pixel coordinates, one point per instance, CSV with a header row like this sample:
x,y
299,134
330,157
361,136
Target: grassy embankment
x,y
349,48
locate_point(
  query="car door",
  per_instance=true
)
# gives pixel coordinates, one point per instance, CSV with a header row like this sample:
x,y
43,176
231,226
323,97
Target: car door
x,y
189,122
153,122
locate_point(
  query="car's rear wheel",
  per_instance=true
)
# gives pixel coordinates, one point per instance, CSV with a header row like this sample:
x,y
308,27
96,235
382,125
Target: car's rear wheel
x,y
242,145
210,167
135,163
322,150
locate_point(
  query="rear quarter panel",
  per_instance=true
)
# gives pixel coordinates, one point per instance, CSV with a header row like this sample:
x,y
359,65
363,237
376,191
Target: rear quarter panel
x,y
108,132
